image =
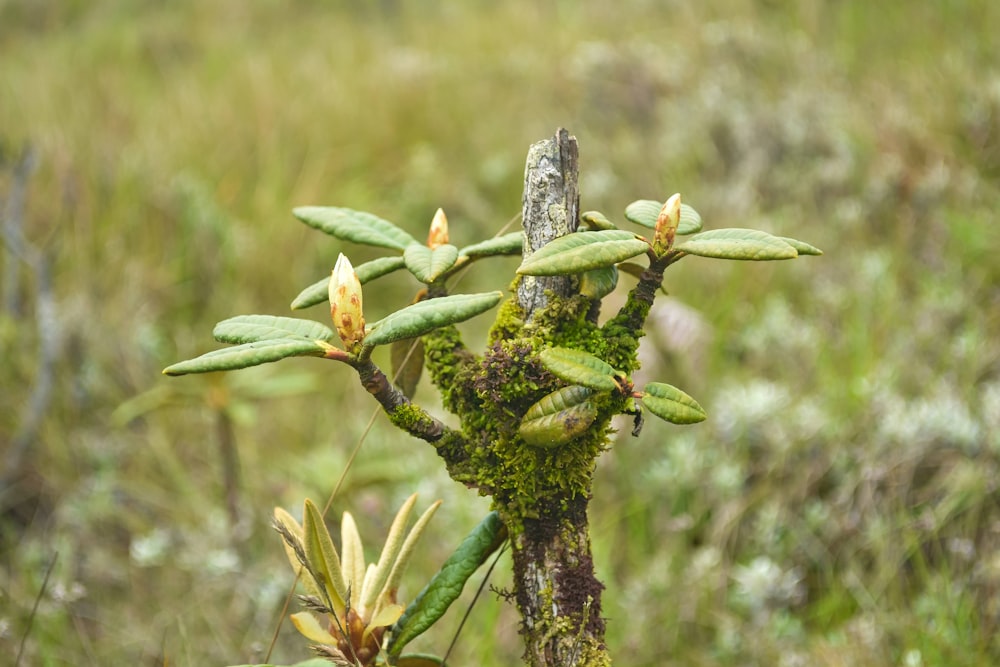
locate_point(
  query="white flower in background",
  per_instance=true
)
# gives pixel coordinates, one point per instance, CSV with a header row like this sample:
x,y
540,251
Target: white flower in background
x,y
764,584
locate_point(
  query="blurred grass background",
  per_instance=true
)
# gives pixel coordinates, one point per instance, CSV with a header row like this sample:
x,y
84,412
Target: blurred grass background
x,y
839,508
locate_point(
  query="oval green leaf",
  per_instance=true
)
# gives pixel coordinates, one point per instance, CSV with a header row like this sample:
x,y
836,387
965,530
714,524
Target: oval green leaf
x,y
558,417
690,221
318,292
670,403
595,220
507,244
253,328
579,367
645,212
425,316
557,401
599,283
739,244
583,251
801,247
249,354
446,586
355,226
427,265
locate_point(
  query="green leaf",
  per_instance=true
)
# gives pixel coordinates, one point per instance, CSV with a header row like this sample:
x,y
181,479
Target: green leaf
x,y
425,316
690,221
318,292
741,244
598,283
377,268
645,212
557,401
595,220
407,358
426,264
249,354
579,367
355,226
253,328
670,403
801,247
558,417
576,253
508,244
446,586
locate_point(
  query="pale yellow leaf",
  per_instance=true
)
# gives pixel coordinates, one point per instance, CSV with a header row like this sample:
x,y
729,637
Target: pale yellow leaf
x,y
310,628
353,563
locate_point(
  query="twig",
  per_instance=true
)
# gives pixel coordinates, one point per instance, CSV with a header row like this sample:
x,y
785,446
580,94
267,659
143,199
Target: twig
x,y
34,609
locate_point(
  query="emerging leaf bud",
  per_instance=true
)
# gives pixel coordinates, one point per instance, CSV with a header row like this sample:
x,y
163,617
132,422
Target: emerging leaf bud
x,y
438,235
666,225
345,303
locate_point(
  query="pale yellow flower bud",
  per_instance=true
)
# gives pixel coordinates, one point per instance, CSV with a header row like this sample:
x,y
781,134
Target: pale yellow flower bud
x,y
345,303
438,235
666,225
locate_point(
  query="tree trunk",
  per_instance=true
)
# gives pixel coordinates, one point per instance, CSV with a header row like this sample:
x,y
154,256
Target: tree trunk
x,y
557,593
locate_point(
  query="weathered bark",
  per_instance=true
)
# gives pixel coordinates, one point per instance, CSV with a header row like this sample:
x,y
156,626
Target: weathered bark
x,y
557,593
551,208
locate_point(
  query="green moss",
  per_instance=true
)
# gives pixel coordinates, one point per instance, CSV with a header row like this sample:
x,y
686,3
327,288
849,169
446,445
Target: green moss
x,y
410,418
509,320
490,394
449,362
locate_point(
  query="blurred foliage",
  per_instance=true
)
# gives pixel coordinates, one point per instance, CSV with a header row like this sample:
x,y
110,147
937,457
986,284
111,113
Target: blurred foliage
x,y
840,505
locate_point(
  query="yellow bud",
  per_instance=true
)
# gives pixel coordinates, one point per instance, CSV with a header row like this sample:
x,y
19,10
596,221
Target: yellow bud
x,y
438,235
666,225
345,303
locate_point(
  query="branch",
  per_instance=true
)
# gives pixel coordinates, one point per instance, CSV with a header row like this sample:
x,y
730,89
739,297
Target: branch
x,y
402,413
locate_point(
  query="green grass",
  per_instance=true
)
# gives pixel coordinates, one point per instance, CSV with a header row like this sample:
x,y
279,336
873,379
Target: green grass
x,y
840,505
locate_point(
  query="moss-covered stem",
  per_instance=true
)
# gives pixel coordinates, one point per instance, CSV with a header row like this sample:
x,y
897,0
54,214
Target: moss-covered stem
x,y
624,329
